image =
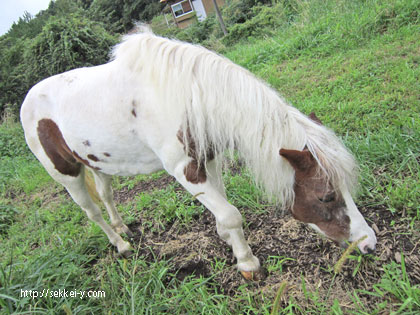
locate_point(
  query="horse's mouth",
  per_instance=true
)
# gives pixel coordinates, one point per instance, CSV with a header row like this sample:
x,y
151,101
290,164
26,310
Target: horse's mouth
x,y
366,249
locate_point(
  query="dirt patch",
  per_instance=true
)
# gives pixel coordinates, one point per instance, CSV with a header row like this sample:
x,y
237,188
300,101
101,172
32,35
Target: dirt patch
x,y
290,250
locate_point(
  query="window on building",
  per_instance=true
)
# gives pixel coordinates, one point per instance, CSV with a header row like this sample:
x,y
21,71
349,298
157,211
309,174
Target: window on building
x,y
182,8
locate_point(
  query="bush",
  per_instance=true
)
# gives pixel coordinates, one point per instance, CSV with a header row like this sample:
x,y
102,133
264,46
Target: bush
x,y
199,32
63,44
12,73
240,11
265,21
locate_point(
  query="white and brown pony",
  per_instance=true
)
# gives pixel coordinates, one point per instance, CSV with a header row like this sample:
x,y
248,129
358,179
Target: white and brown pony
x,y
162,104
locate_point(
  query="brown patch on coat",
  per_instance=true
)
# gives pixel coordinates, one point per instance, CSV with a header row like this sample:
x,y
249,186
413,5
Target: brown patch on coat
x,y
195,171
315,199
84,161
133,111
57,149
93,157
107,154
86,143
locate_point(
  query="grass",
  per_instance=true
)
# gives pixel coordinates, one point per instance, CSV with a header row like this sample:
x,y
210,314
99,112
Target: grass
x,y
354,63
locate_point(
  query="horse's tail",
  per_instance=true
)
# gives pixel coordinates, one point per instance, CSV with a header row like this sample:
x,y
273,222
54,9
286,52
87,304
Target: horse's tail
x,y
91,187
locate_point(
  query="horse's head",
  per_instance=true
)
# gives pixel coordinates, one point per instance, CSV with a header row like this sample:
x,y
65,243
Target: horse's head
x,y
330,211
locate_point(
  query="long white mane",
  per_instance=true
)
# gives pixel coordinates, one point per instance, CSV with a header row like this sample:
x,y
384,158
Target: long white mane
x,y
228,108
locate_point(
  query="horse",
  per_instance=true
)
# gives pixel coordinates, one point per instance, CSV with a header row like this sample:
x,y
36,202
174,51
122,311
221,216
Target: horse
x,y
164,104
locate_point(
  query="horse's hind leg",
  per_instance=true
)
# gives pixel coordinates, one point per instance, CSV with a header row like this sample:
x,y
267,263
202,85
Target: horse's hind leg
x,y
77,189
47,143
71,175
103,186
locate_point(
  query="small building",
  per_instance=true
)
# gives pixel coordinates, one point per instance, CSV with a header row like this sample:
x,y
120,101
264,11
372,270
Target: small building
x,y
185,12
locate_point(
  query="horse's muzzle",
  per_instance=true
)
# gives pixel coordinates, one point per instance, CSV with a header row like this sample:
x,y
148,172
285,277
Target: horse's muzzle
x,y
365,250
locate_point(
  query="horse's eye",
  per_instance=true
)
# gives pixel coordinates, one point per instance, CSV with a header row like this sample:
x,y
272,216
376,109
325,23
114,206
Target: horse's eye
x,y
328,197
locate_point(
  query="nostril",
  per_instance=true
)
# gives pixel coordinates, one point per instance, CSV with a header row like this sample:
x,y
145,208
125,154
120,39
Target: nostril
x,y
369,250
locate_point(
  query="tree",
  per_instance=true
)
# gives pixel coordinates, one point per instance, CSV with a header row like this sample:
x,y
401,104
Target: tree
x,y
119,16
63,44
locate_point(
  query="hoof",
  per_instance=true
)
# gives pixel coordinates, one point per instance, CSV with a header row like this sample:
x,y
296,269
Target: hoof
x,y
125,250
129,233
127,254
254,275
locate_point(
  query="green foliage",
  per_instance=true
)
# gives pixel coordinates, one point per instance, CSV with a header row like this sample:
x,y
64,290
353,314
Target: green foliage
x,y
27,26
264,21
395,288
396,282
58,269
12,71
7,215
243,18
240,11
200,32
119,16
65,44
18,169
12,141
367,93
67,35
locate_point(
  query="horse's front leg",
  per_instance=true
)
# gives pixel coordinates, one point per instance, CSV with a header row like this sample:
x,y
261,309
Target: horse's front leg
x,y
229,221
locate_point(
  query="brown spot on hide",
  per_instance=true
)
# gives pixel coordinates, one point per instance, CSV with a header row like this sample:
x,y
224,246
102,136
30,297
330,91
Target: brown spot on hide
x,y
316,201
133,111
84,161
195,172
92,157
86,143
107,154
57,149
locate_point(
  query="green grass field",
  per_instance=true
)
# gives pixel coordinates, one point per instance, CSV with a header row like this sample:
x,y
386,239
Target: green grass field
x,y
356,65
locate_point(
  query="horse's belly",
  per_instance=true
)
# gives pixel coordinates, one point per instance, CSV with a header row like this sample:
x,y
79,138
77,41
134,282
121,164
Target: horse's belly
x,y
123,161
122,155
129,169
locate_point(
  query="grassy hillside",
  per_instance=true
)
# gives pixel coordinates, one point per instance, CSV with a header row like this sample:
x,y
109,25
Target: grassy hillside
x,y
354,63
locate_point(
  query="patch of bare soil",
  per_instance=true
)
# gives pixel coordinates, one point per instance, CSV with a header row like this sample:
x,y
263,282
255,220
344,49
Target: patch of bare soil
x,y
275,236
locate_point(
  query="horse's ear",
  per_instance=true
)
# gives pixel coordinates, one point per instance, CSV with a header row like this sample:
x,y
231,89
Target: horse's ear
x,y
300,160
315,118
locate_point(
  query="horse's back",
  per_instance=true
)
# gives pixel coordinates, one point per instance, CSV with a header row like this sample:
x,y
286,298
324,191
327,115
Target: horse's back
x,y
102,115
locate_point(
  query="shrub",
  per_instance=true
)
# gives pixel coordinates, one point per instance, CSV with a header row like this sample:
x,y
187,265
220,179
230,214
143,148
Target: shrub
x,y
65,44
239,11
265,21
201,31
